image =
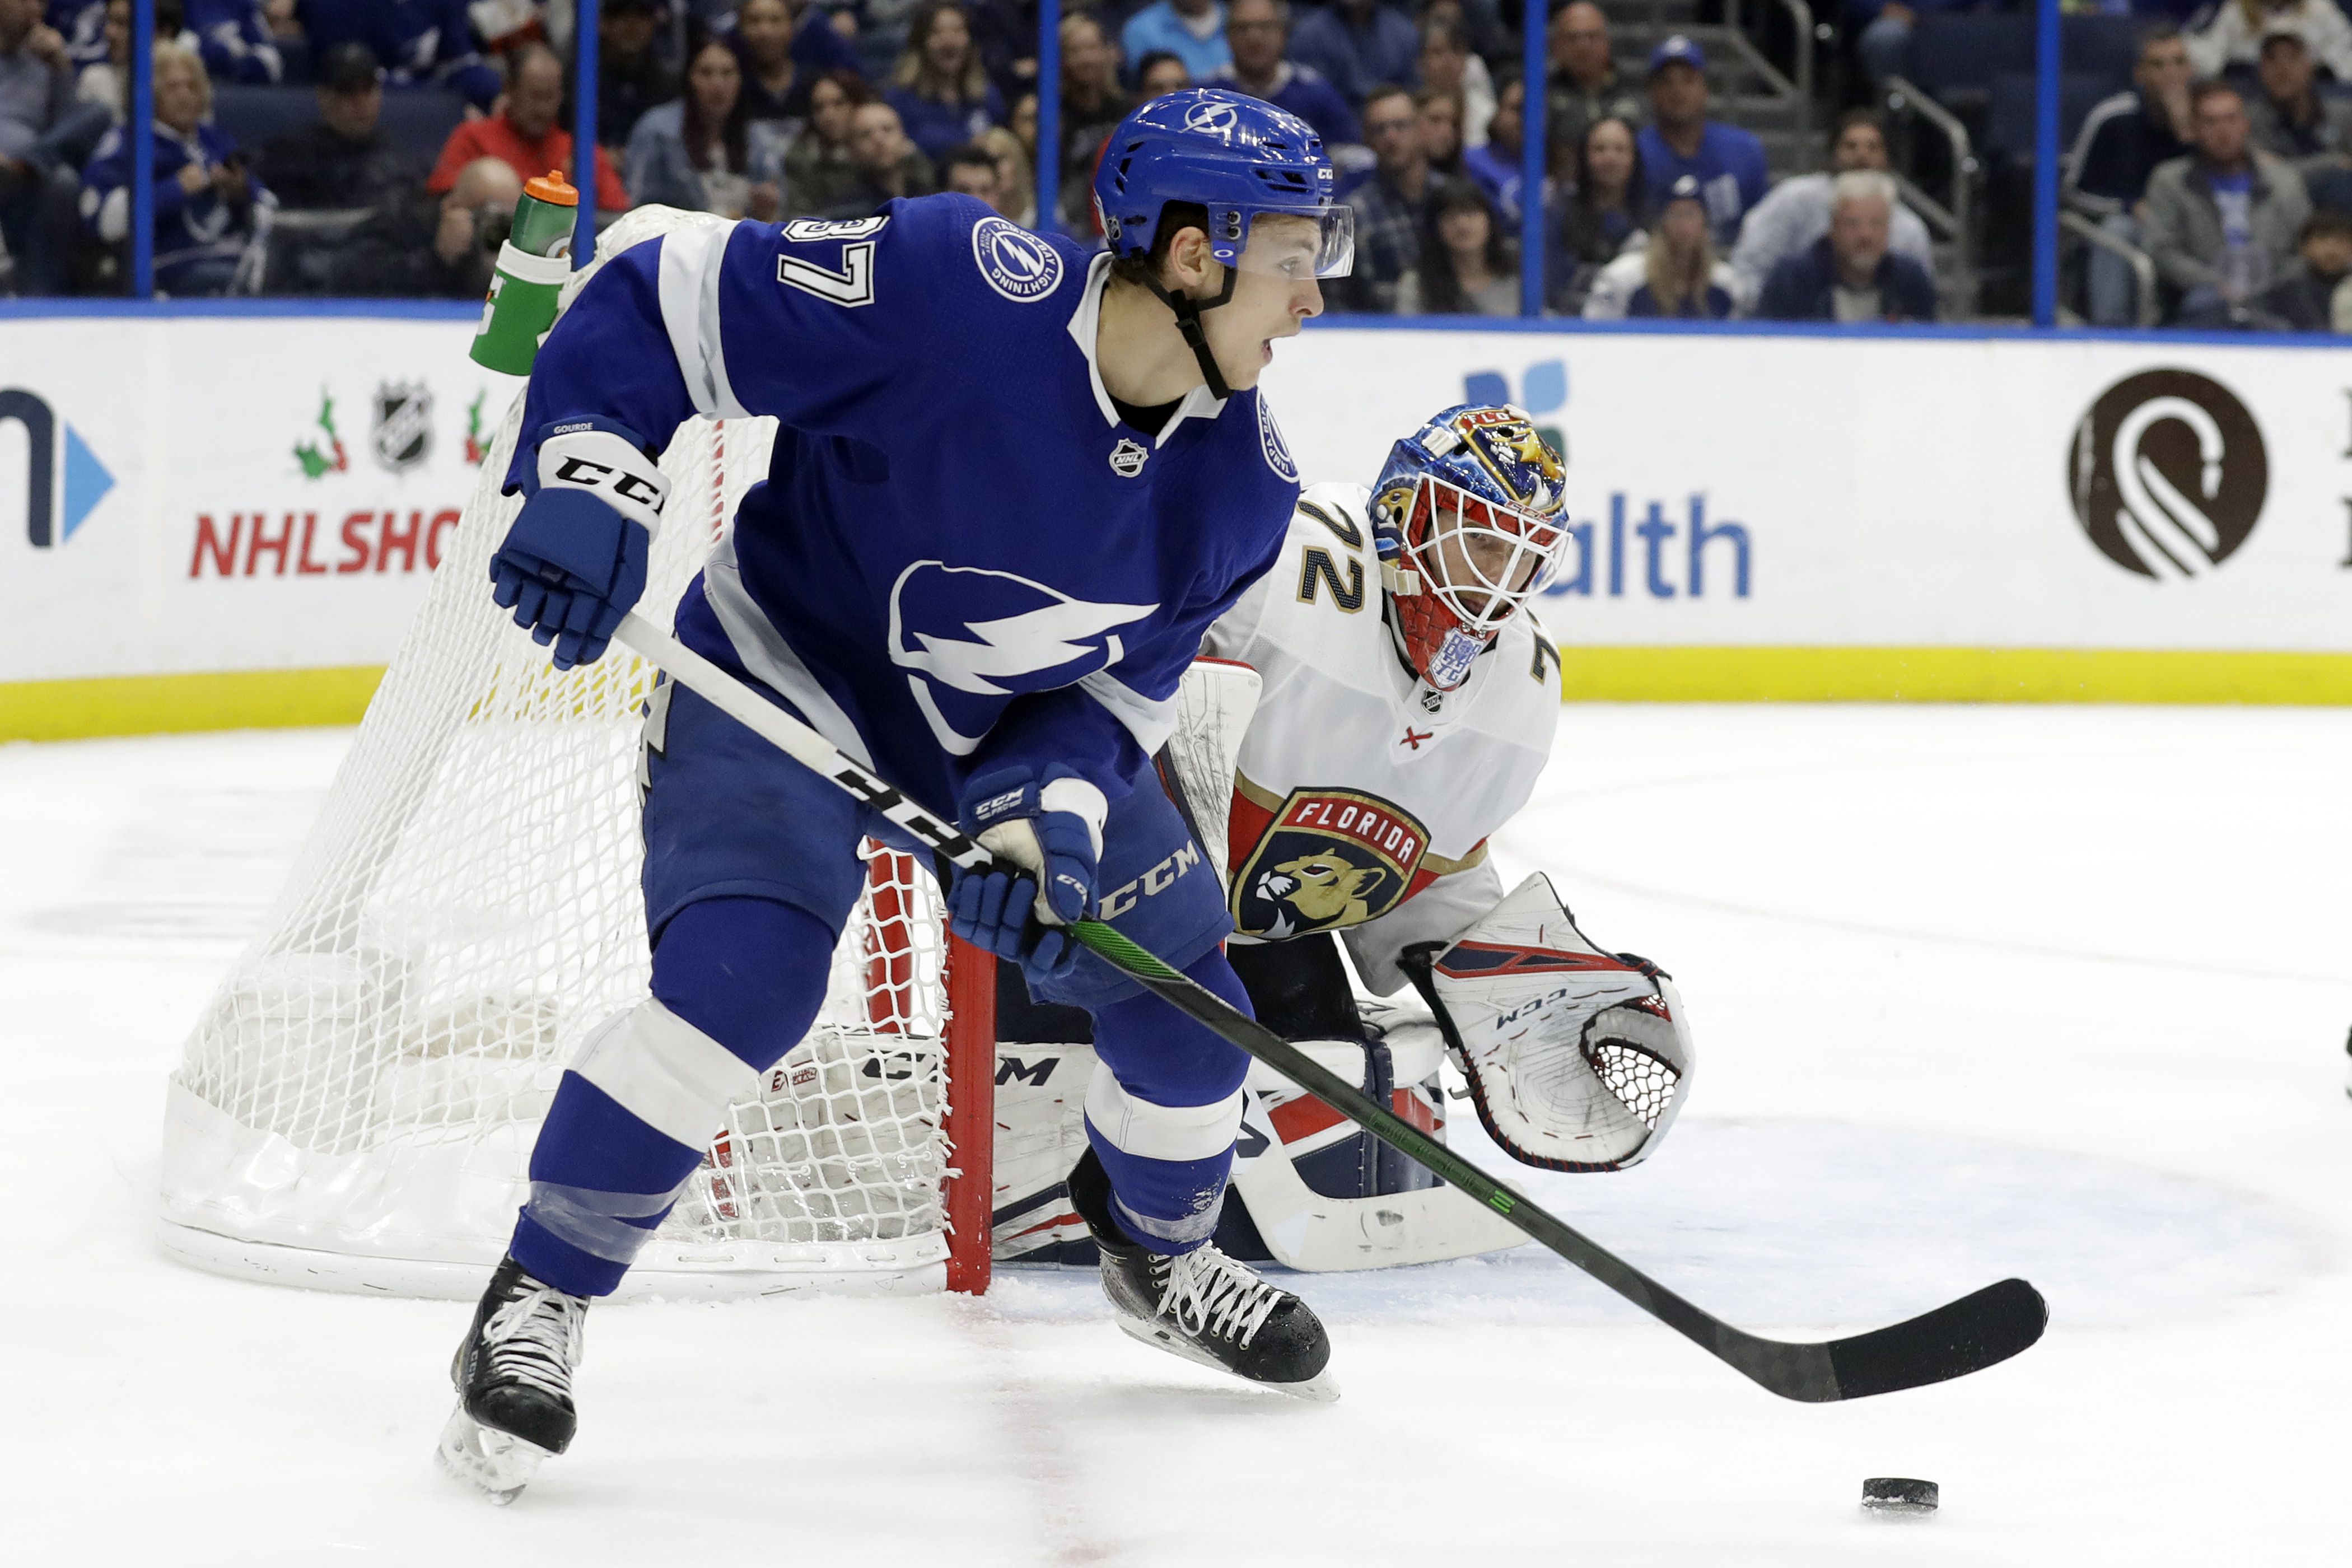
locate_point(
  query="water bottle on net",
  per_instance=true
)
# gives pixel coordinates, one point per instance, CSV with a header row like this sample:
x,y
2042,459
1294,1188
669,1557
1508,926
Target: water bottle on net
x,y
532,266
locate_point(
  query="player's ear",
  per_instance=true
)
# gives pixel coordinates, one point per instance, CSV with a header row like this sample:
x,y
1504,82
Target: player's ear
x,y
1188,265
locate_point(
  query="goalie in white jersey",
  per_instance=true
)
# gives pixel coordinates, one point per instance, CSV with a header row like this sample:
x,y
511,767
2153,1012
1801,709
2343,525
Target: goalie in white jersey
x,y
1406,706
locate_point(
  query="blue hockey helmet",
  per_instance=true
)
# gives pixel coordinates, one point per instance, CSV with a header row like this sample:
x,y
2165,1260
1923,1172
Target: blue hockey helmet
x,y
1467,519
1238,156
1239,159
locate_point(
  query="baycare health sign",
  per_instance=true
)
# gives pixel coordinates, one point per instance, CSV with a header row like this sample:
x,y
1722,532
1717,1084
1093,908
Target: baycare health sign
x,y
228,493
1817,492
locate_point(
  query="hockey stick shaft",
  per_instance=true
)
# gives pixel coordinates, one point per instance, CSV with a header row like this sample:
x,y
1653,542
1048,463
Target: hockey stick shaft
x,y
1961,1337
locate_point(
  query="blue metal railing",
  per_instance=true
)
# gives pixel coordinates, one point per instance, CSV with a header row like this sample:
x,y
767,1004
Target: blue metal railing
x,y
1535,140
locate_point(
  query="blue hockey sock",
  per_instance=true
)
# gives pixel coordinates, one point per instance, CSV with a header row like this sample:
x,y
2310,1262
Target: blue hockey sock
x,y
737,982
1163,1109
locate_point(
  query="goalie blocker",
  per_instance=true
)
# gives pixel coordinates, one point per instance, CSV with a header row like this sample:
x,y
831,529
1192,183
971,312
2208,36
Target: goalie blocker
x,y
1576,1058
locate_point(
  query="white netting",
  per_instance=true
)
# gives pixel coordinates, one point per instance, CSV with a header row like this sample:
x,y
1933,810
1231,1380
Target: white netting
x,y
358,1104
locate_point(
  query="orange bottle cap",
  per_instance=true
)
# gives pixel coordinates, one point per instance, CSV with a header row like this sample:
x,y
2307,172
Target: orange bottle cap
x,y
554,187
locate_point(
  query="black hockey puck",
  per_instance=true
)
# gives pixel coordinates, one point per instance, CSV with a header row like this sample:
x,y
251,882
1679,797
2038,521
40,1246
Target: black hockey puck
x,y
1898,1497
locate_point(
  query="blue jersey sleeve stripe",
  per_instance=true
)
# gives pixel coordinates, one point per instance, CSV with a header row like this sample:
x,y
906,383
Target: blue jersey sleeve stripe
x,y
692,262
1150,722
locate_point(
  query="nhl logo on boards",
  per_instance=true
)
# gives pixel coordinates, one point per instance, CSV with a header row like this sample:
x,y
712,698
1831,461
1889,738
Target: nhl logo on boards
x,y
1127,458
404,425
1017,264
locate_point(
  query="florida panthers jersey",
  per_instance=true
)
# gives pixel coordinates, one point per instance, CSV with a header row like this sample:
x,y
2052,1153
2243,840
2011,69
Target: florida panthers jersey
x,y
1363,799
961,556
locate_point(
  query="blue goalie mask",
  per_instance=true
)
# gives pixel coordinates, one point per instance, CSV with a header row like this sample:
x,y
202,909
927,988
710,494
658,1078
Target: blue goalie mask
x,y
1467,516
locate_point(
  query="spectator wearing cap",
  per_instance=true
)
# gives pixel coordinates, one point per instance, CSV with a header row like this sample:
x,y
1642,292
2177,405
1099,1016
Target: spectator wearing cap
x,y
1795,216
205,200
2222,222
784,47
1393,207
2293,121
524,135
2122,142
2233,38
342,159
1673,274
1851,274
2312,297
1191,30
818,174
1359,45
1583,85
1158,73
1257,31
419,43
1727,161
1495,167
631,76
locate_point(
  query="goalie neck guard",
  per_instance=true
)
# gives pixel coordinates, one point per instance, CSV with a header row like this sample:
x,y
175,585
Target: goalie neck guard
x,y
1467,517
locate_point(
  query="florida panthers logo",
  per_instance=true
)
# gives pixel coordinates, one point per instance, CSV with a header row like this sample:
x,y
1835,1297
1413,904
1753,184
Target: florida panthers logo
x,y
1328,858
968,638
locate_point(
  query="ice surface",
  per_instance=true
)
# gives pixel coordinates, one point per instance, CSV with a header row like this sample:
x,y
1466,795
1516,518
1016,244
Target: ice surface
x,y
1977,992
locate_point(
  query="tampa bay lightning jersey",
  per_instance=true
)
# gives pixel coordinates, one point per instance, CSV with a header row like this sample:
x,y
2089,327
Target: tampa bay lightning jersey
x,y
961,558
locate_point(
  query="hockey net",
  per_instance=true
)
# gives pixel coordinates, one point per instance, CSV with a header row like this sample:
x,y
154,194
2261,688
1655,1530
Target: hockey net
x,y
357,1107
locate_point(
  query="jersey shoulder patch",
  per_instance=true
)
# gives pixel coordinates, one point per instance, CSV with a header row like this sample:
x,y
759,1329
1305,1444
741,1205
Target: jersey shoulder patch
x,y
1269,440
1023,268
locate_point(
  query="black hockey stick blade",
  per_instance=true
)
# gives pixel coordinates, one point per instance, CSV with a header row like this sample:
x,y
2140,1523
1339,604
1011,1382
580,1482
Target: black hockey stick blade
x,y
1960,1337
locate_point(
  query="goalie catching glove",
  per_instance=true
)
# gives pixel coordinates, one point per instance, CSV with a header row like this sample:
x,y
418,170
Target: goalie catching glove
x,y
1577,1059
574,561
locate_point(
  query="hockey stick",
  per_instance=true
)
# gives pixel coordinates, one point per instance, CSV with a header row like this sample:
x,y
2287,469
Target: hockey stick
x,y
1956,1338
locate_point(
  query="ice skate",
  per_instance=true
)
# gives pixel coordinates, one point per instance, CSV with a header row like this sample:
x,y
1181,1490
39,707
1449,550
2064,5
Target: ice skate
x,y
514,1384
1203,1306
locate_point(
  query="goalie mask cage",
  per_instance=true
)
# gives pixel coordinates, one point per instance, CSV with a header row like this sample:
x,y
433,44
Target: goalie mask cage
x,y
357,1107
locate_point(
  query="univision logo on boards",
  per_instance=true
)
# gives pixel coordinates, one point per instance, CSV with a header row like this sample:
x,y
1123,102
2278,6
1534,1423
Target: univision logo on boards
x,y
2167,473
64,481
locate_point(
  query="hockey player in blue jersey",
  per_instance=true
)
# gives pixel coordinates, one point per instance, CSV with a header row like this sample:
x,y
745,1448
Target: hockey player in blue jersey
x,y
1012,488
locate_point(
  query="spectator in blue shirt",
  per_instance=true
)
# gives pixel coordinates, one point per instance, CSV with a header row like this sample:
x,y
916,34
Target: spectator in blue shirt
x,y
204,200
240,39
1727,161
1191,30
1359,45
943,97
1851,274
1257,30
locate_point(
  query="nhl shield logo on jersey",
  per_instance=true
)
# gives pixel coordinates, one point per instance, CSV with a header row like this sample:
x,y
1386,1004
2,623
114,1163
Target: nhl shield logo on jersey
x,y
1017,264
1329,858
1127,458
404,425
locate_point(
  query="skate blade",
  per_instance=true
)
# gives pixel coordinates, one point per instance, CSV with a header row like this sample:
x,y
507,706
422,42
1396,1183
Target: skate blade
x,y
1320,1389
497,1464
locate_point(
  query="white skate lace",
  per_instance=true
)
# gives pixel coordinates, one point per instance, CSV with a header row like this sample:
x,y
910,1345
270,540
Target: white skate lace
x,y
1208,1292
535,1339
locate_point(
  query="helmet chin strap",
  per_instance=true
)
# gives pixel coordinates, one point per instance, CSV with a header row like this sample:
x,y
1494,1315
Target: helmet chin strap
x,y
1188,312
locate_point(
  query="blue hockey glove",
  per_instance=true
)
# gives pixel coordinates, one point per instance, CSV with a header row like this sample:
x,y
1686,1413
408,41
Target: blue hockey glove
x,y
574,561
1050,832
